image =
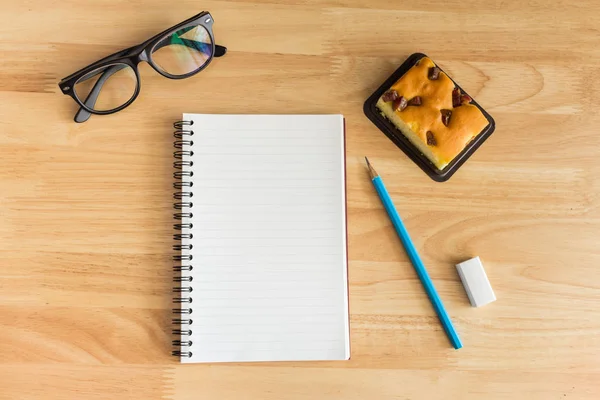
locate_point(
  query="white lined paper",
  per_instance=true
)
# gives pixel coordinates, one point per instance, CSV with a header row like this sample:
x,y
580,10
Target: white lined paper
x,y
269,247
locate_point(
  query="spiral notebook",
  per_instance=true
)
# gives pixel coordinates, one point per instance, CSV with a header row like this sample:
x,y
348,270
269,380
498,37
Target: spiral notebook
x,y
261,242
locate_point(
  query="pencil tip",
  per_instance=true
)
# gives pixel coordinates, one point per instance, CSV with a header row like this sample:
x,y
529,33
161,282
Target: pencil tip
x,y
371,169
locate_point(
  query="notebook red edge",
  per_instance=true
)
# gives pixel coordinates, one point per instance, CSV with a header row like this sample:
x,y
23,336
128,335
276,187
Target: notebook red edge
x,y
347,258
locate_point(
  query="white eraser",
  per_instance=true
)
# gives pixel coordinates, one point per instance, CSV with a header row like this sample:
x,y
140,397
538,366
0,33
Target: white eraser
x,y
476,282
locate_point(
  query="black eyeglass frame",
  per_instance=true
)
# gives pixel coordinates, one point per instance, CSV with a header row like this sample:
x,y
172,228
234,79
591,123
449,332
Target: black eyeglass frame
x,y
132,56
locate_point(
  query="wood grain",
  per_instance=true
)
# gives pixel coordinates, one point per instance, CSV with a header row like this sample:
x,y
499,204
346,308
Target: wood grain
x,y
85,220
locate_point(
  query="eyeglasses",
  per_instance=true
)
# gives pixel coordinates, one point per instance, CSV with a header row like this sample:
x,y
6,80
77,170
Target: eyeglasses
x,y
112,83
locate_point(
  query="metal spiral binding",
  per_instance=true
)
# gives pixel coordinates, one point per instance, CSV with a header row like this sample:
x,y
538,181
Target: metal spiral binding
x,y
183,204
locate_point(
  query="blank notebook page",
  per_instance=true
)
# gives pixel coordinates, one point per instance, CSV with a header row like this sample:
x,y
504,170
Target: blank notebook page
x,y
269,238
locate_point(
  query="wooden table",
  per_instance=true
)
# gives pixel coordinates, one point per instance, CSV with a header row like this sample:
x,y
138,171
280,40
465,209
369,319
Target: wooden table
x,y
85,209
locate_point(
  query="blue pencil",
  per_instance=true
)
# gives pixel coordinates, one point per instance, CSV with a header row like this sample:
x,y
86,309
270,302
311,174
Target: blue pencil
x,y
414,258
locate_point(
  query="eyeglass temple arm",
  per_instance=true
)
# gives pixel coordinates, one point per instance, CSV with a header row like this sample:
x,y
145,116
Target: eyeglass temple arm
x,y
220,51
83,114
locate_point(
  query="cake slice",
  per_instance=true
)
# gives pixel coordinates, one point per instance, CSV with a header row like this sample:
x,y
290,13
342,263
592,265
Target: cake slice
x,y
426,106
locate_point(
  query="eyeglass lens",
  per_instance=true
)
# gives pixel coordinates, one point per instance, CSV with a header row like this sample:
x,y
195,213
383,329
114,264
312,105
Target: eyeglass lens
x,y
184,51
107,87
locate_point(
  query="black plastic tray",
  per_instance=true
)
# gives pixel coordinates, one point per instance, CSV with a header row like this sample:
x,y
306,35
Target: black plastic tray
x,y
390,130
